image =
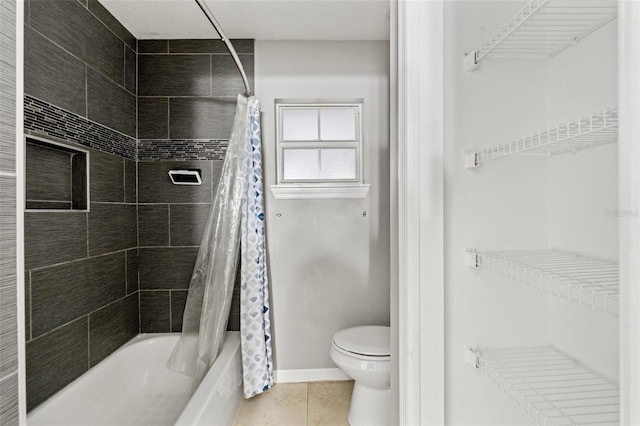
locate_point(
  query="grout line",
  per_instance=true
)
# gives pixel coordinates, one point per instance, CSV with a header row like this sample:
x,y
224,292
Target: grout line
x,y
48,201
169,223
194,53
168,118
124,180
137,209
126,272
30,309
86,90
137,179
221,97
139,313
167,247
87,229
307,386
177,204
170,316
8,174
73,154
124,72
39,268
93,202
88,342
185,139
137,96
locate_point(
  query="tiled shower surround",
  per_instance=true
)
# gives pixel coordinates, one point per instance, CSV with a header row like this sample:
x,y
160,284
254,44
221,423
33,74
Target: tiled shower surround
x,y
97,277
81,266
186,95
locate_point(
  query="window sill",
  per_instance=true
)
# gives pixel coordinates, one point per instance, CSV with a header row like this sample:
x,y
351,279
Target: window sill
x,y
307,191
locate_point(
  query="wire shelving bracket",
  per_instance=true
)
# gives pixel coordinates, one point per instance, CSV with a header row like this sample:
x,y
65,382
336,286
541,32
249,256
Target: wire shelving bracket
x,y
544,28
592,130
550,386
584,280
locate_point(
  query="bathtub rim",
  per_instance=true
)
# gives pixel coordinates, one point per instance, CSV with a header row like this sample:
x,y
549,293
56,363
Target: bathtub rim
x,y
203,398
192,414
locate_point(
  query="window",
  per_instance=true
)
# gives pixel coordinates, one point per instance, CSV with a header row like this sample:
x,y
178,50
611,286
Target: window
x,y
319,150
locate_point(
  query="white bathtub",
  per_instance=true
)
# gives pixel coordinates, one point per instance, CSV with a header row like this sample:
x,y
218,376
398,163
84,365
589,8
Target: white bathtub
x,y
134,386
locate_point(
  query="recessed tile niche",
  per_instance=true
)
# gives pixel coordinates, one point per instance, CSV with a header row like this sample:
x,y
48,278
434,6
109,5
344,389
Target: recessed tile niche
x,y
56,176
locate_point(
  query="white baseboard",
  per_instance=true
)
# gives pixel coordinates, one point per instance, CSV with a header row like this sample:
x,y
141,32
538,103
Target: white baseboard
x,y
311,375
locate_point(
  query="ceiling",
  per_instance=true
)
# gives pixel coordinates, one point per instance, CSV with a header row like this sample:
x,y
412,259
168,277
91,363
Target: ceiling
x,y
257,19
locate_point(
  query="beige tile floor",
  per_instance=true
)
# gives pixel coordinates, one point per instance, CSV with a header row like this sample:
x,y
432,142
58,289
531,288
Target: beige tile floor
x,y
298,404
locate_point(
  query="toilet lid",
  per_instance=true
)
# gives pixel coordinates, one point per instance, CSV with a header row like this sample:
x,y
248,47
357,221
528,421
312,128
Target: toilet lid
x,y
369,340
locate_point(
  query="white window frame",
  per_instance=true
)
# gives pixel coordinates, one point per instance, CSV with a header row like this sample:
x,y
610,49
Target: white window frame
x,y
319,188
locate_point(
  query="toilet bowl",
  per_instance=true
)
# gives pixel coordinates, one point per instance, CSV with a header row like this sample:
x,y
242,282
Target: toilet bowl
x,y
363,353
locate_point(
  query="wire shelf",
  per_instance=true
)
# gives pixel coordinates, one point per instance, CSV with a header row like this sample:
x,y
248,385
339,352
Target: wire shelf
x,y
592,130
580,279
544,28
551,387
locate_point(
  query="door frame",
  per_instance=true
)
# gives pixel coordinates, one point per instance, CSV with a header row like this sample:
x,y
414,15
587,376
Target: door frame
x,y
420,211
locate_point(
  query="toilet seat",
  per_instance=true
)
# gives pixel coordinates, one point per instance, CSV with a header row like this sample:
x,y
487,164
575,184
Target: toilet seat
x,y
368,341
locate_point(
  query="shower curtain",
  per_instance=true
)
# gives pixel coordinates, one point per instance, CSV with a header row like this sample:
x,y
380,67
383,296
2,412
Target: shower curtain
x,y
255,326
238,205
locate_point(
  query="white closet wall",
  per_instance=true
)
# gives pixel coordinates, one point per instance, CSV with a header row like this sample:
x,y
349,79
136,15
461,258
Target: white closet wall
x,y
487,208
522,202
583,192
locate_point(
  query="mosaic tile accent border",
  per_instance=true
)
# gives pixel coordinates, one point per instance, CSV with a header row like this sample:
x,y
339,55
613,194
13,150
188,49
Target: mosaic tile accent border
x,y
181,149
51,120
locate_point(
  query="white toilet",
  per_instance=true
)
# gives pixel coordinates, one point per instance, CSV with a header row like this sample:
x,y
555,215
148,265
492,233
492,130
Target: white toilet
x,y
364,354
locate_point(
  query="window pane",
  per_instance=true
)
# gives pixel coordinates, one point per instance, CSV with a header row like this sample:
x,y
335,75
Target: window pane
x,y
300,164
338,124
338,163
300,124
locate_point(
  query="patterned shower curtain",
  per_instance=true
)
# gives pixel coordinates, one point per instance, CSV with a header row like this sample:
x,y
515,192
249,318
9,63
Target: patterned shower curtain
x,y
236,221
255,326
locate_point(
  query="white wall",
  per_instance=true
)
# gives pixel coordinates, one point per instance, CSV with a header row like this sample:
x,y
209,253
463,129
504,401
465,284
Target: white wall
x,y
500,205
329,264
583,188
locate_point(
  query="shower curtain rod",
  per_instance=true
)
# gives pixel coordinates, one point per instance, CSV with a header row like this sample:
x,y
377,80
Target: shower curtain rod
x,y
223,36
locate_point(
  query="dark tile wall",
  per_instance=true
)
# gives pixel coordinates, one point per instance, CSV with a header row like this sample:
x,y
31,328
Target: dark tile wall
x,y
186,101
171,221
82,299
80,59
8,269
81,280
187,93
56,359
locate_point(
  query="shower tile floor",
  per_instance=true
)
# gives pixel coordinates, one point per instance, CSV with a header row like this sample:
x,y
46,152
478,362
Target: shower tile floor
x,y
312,404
